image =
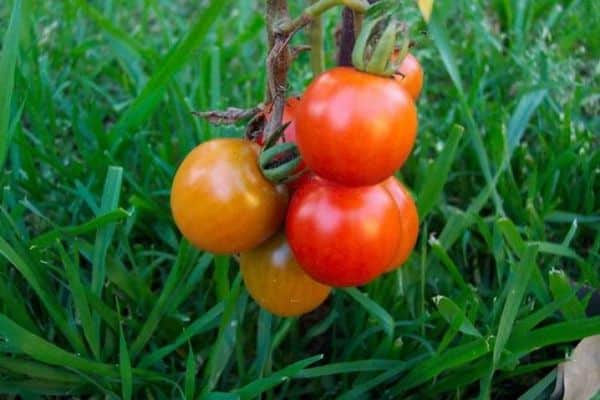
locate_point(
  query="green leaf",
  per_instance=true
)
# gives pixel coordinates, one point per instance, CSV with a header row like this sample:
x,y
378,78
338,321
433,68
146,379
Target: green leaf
x,y
431,191
384,318
350,367
517,284
451,313
8,62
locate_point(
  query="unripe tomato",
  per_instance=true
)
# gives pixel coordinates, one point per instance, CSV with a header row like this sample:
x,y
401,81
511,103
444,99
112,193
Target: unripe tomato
x,y
220,200
277,283
409,220
355,128
410,75
340,235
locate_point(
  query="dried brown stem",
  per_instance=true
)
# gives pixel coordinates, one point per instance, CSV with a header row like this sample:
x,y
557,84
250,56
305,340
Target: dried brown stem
x,y
278,62
229,116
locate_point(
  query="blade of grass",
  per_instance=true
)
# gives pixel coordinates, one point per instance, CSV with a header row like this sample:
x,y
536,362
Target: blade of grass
x,y
8,62
202,324
148,100
79,298
49,300
453,358
185,256
222,350
256,388
432,189
561,289
521,116
41,350
100,221
537,390
384,318
125,367
37,370
553,334
451,312
516,288
190,374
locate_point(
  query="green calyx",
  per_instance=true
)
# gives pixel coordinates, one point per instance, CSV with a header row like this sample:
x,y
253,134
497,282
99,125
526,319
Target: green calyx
x,y
375,46
279,163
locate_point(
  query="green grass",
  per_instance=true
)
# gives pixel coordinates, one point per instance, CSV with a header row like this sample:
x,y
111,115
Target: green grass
x,y
99,295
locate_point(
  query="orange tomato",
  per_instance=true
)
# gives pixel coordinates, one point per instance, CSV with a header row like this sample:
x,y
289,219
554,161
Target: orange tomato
x,y
409,220
220,200
277,283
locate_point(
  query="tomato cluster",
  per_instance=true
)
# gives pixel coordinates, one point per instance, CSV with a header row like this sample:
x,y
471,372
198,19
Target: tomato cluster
x,y
346,221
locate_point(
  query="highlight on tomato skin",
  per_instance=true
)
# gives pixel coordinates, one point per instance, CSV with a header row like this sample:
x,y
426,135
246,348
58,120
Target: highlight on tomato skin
x,y
343,236
220,200
277,283
355,128
409,220
410,75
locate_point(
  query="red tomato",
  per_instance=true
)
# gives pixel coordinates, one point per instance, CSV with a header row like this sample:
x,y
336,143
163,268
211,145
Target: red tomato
x,y
277,283
355,128
340,235
220,200
289,134
410,75
409,220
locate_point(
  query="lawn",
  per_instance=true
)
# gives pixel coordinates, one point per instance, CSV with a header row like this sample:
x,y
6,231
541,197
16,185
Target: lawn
x,y
99,295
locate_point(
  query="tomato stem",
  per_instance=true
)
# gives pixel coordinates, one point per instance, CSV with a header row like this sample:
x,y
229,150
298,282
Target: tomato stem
x,y
280,162
376,45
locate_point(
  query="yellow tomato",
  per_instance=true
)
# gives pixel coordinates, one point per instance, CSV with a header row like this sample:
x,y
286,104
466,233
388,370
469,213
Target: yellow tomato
x,y
220,200
277,283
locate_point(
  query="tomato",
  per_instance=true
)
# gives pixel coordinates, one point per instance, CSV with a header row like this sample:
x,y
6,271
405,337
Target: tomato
x,y
220,200
341,235
355,128
289,134
409,220
277,283
410,75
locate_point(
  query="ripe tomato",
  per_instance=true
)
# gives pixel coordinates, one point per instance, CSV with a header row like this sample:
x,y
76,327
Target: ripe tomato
x,y
220,200
277,283
355,128
341,235
410,75
289,134
409,220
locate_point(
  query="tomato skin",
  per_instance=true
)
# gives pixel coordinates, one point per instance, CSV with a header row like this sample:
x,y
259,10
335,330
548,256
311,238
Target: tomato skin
x,y
340,235
289,134
409,220
355,128
220,200
411,75
277,283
